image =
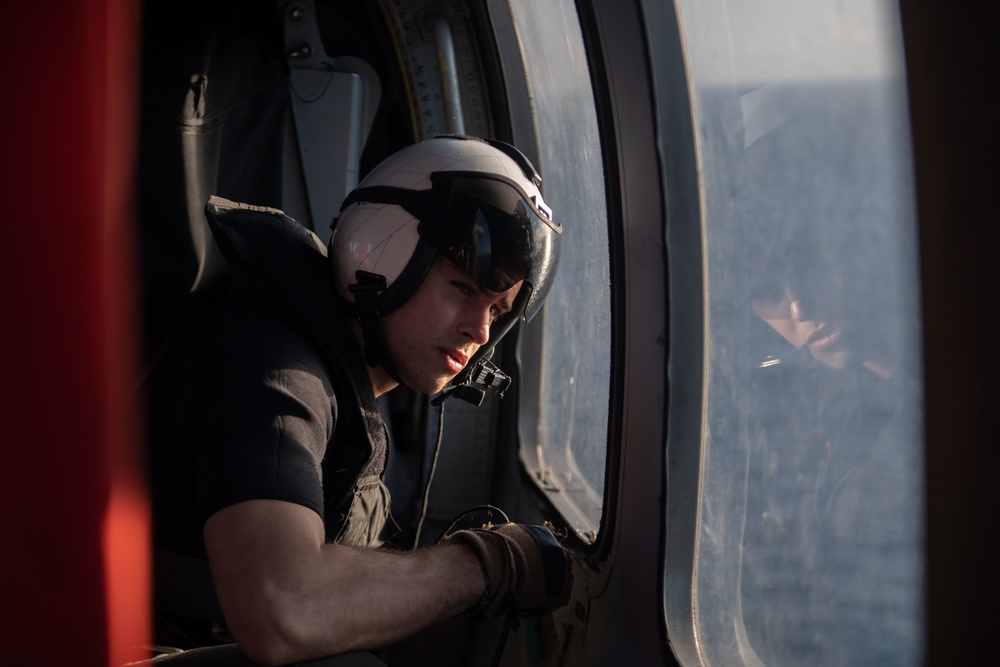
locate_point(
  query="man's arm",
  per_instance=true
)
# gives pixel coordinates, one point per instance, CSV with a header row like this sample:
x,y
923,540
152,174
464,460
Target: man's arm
x,y
287,595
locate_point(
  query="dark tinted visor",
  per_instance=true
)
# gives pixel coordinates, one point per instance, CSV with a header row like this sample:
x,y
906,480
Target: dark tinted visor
x,y
487,226
495,233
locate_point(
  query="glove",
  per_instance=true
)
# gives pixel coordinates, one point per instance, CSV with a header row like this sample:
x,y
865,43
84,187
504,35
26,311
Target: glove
x,y
525,567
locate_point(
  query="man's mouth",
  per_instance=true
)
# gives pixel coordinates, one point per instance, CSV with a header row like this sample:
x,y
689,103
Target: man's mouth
x,y
456,359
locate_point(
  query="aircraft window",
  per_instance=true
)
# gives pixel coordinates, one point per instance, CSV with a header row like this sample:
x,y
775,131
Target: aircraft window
x,y
808,548
566,351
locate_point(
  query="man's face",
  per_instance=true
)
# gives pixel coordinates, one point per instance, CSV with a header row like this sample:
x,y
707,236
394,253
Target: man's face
x,y
797,322
432,336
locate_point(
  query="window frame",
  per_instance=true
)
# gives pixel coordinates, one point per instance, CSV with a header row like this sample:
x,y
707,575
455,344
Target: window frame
x,y
528,342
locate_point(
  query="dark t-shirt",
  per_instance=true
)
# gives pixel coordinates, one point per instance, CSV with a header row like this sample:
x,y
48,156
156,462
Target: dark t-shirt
x,y
243,408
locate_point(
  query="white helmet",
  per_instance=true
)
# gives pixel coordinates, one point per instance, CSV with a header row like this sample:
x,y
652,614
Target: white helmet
x,y
475,201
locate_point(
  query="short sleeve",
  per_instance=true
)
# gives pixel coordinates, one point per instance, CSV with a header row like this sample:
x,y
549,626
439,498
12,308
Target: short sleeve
x,y
261,413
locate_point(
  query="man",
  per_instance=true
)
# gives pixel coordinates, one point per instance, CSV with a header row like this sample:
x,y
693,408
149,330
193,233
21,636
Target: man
x,y
832,498
267,447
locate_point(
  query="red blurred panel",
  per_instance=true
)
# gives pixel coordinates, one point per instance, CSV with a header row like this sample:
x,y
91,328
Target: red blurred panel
x,y
74,563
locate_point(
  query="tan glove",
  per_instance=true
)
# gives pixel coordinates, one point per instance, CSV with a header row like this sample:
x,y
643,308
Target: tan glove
x,y
525,567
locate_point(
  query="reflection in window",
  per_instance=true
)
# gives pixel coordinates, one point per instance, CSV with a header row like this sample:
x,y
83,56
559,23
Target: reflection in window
x,y
810,538
566,351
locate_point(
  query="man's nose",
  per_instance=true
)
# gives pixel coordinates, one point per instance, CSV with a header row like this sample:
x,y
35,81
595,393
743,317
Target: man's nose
x,y
476,325
797,310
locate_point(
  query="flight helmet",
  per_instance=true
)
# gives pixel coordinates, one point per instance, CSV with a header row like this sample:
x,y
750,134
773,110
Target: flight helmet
x,y
475,202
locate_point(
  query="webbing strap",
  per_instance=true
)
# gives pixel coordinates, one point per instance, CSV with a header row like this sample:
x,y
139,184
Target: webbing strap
x,y
366,293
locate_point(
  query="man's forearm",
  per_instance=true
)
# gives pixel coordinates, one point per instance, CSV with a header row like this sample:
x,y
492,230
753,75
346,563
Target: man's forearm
x,y
288,596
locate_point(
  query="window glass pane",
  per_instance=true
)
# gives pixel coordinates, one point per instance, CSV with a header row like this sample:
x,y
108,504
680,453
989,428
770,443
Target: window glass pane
x,y
568,438
809,548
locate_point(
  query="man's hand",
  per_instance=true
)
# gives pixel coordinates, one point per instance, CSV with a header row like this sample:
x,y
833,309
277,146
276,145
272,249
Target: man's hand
x,y
525,567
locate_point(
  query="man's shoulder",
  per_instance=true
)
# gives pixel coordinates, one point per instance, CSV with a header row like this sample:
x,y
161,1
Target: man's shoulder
x,y
244,337
265,323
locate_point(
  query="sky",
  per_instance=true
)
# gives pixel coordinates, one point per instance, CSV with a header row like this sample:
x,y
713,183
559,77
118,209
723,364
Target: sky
x,y
756,41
